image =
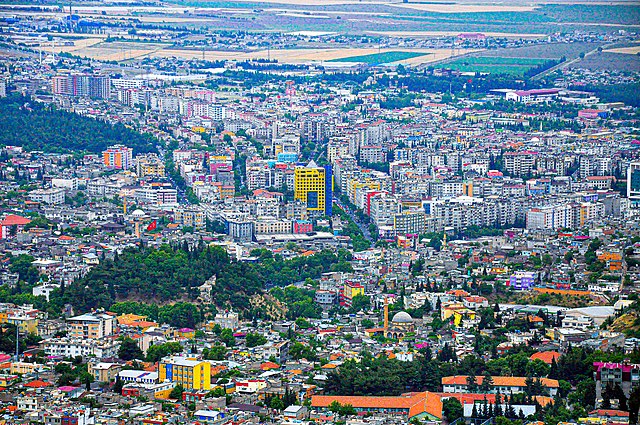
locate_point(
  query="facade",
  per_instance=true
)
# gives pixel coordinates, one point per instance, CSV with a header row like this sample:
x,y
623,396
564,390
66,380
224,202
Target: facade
x,y
425,404
191,374
149,165
97,86
91,326
48,196
313,185
626,375
190,217
73,347
500,385
118,156
522,281
633,184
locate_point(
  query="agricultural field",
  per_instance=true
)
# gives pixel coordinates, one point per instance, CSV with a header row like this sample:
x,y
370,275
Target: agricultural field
x,y
494,65
382,58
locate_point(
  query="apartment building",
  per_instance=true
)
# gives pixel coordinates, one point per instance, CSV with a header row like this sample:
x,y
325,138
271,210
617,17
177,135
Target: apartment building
x,y
91,326
190,373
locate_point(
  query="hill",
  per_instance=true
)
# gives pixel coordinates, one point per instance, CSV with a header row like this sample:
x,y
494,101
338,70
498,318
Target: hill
x,y
171,274
40,127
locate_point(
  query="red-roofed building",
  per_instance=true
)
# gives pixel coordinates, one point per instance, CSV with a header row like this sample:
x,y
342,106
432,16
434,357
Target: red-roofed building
x,y
423,404
12,225
545,356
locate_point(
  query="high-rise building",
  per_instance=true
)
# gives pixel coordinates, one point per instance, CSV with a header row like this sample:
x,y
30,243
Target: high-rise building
x,y
98,86
633,184
313,185
118,156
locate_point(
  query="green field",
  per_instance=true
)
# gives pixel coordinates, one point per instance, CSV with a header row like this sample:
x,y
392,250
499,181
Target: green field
x,y
494,65
380,58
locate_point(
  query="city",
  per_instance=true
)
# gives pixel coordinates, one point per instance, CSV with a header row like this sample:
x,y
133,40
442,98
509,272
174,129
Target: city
x,y
291,212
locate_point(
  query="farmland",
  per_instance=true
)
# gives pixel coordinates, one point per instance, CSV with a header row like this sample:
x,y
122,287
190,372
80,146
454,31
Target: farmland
x,y
494,65
382,58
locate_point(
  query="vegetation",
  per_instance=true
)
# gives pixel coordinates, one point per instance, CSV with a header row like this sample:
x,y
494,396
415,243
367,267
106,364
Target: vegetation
x,y
381,58
38,127
174,273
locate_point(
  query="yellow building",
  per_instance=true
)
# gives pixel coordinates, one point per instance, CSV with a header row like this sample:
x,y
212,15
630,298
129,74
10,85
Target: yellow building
x,y
149,165
313,186
26,324
190,373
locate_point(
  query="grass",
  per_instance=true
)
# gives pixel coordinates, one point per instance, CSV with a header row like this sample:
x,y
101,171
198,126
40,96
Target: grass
x,y
380,58
494,65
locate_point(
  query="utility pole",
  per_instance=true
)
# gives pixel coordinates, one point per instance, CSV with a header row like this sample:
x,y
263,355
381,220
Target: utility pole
x,y
17,341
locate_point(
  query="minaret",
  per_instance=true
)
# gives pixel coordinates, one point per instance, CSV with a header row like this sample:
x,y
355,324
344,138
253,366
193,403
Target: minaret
x,y
386,316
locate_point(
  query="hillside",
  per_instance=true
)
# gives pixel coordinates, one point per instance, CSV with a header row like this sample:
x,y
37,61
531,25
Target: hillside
x,y
170,274
39,127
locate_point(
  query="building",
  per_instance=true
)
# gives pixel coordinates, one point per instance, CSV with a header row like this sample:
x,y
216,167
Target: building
x,y
149,165
190,217
522,281
104,372
91,326
633,184
313,185
227,320
191,374
500,385
11,225
626,375
73,347
424,404
118,156
48,196
97,86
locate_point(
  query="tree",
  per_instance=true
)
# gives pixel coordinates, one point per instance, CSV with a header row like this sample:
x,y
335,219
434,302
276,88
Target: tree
x,y
452,409
347,410
176,392
129,349
254,339
117,387
487,384
360,303
227,337
217,352
86,378
277,403
335,406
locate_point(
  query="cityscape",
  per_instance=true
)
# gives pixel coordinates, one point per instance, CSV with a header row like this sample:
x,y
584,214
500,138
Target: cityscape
x,y
340,212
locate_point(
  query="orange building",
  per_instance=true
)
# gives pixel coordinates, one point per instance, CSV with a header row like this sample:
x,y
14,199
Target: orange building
x,y
613,259
118,156
424,404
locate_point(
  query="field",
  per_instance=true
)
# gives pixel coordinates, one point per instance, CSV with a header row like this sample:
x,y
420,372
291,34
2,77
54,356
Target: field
x,y
494,65
382,58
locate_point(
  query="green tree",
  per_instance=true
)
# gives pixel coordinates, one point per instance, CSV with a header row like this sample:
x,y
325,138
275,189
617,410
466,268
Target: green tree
x,y
452,409
176,392
255,339
129,349
226,336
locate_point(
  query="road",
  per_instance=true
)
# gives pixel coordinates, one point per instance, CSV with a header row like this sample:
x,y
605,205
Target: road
x,y
565,64
363,227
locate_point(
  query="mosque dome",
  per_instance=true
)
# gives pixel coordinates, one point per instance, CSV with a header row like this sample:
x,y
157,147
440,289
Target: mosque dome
x,y
402,317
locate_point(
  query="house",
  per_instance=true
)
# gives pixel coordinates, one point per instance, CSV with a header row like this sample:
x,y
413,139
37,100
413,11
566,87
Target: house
x,y
296,412
104,372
